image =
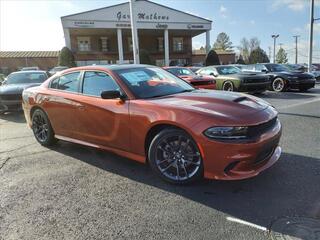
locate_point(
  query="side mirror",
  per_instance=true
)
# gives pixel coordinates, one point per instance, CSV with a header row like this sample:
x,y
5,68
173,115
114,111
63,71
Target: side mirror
x,y
264,70
111,95
213,74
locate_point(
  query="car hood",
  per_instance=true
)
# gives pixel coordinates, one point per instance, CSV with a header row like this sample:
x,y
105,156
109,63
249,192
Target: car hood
x,y
220,104
298,74
245,75
196,78
16,88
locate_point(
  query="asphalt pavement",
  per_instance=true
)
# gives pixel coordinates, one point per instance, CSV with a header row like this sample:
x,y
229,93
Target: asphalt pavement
x,y
75,192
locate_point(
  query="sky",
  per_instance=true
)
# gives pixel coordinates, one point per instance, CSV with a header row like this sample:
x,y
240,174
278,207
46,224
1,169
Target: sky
x,y
27,25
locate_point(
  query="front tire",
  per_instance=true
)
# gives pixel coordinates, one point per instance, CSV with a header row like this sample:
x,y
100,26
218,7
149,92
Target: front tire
x,y
42,129
278,85
175,157
228,86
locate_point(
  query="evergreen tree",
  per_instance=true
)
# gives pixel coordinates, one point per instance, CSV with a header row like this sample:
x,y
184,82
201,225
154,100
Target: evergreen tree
x,y
258,55
66,58
212,58
223,42
281,56
240,60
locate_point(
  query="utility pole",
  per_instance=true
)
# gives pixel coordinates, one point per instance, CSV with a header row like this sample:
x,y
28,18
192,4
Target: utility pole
x,y
134,32
296,40
274,46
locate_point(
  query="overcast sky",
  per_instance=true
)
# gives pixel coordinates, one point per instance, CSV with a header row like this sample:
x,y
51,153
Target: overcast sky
x,y
36,25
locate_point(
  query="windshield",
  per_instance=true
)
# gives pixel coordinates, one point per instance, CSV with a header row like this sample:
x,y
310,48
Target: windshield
x,y
26,77
226,70
180,71
152,82
277,68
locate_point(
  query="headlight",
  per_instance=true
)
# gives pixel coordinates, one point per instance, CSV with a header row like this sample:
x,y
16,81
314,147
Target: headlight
x,y
226,132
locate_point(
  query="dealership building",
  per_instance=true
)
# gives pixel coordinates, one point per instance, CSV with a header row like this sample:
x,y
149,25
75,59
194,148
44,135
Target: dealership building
x,y
103,36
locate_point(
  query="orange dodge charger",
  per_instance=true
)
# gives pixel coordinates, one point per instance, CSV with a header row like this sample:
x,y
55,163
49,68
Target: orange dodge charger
x,y
147,114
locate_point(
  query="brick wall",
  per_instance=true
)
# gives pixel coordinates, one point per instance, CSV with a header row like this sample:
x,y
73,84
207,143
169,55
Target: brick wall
x,y
14,64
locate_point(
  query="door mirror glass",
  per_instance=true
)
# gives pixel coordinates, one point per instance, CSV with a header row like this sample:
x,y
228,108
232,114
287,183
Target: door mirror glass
x,y
264,70
110,94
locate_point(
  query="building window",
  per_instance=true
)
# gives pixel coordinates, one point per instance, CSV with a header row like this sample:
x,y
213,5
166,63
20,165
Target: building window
x,y
160,44
178,44
84,44
130,46
104,44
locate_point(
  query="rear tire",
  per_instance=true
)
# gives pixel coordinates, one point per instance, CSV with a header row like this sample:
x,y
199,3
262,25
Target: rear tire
x,y
175,157
42,128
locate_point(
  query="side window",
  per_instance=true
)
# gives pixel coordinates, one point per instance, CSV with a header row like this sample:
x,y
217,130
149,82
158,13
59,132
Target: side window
x,y
69,82
96,82
54,83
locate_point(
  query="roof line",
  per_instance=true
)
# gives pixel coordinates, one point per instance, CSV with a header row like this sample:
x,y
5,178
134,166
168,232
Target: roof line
x,y
177,10
137,0
94,10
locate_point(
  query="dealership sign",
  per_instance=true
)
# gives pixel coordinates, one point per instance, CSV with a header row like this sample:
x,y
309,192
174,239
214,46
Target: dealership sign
x,y
84,23
142,16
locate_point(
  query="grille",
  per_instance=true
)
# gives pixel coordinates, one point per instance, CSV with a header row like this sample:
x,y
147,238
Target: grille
x,y
11,97
256,80
201,83
262,128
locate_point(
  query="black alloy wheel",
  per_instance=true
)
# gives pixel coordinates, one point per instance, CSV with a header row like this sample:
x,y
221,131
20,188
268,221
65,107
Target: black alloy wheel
x,y
175,157
42,129
228,86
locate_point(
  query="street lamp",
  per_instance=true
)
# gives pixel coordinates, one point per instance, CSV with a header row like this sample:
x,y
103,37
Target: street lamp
x,y
274,46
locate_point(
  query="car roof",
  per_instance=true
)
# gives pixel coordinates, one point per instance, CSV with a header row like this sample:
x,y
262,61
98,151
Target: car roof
x,y
33,71
111,67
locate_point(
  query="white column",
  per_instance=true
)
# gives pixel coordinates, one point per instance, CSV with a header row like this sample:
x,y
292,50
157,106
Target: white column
x,y
120,46
207,41
166,47
67,40
135,40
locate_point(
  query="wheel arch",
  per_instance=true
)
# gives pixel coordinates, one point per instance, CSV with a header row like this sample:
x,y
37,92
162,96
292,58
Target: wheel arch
x,y
155,129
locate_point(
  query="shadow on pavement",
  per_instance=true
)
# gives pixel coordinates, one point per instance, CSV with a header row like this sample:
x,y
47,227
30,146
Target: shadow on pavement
x,y
289,188
287,95
17,117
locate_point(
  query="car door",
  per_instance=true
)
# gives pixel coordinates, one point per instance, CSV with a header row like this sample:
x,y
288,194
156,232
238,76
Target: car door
x,y
60,105
102,121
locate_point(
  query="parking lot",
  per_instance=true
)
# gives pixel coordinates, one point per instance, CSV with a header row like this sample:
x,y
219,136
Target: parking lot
x,y
76,192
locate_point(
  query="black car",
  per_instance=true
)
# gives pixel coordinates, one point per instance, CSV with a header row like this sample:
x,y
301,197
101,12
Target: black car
x,y
12,88
283,79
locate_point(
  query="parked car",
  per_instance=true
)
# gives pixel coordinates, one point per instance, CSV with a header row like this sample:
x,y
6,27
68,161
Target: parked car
x,y
57,69
230,78
283,79
149,115
29,69
192,78
194,69
12,87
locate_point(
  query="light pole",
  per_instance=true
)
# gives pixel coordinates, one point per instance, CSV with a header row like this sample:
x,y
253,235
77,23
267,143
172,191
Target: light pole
x,y
274,46
134,32
296,37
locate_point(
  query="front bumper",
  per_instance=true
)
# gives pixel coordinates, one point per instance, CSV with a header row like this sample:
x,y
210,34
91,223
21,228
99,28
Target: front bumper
x,y
10,105
302,84
234,160
254,87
